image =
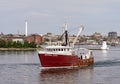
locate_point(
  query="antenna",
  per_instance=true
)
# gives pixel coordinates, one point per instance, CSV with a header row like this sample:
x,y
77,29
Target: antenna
x,y
26,26
66,25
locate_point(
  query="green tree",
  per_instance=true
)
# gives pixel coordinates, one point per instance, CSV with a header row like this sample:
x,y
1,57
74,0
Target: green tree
x,y
2,44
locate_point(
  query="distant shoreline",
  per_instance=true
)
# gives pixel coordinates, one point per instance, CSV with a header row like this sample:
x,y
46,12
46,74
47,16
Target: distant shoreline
x,y
19,49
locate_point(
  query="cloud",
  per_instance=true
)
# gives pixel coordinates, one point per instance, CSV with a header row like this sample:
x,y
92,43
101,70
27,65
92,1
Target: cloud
x,y
93,13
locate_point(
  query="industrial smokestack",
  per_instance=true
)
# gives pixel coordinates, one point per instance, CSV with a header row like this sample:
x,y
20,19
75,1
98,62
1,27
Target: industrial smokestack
x,y
26,26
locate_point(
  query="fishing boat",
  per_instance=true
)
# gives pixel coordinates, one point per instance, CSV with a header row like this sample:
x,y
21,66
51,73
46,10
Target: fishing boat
x,y
65,55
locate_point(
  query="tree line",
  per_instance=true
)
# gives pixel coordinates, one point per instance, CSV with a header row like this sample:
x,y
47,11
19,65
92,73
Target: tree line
x,y
16,44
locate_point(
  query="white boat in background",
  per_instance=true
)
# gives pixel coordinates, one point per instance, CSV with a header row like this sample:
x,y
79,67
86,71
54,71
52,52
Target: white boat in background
x,y
104,46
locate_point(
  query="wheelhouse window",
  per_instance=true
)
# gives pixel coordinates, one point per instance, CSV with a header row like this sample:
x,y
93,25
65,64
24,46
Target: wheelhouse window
x,y
58,49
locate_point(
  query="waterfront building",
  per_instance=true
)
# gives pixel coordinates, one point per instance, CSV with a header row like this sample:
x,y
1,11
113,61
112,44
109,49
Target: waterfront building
x,y
50,38
97,35
34,38
16,39
112,37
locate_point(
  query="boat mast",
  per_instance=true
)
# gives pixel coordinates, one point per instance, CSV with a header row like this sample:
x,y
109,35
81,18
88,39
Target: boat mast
x,y
66,35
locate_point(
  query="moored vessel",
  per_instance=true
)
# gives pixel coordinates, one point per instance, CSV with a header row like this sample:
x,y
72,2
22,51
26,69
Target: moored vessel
x,y
104,46
65,55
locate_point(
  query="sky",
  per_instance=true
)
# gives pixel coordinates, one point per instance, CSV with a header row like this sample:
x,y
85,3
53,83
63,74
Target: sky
x,y
45,16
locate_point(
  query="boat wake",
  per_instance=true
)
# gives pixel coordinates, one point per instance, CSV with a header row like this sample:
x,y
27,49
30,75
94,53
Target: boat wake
x,y
107,63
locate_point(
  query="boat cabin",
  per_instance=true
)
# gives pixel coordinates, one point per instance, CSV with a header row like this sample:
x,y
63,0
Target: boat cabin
x,y
58,48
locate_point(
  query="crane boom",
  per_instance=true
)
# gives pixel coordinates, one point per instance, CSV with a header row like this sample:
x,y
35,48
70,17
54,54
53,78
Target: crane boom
x,y
81,29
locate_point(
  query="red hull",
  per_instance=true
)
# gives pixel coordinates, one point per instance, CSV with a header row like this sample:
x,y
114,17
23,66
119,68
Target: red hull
x,y
52,60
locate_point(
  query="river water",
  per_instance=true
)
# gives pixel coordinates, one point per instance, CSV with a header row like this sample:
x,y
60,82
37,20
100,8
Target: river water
x,y
23,67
